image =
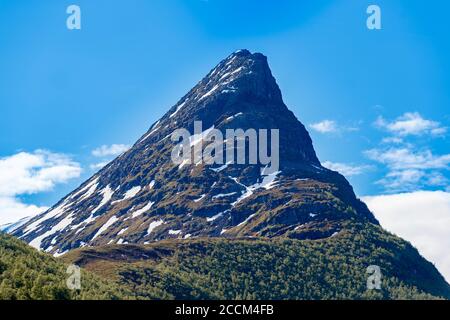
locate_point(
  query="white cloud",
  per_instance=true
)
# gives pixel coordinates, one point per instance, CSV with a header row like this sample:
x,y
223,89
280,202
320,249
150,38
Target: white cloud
x,y
346,169
30,173
410,170
98,166
331,126
325,126
437,179
421,217
411,123
402,180
112,150
392,140
11,210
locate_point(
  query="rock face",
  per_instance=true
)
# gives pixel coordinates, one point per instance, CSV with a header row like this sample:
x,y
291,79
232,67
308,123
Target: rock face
x,y
143,196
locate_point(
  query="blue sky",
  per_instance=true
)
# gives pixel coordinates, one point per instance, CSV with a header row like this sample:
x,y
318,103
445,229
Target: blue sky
x,y
376,102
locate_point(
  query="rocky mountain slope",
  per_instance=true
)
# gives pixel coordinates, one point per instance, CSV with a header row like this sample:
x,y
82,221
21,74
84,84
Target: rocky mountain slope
x,y
143,196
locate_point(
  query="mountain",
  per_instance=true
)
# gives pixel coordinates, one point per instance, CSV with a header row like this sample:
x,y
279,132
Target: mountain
x,y
27,274
165,228
143,196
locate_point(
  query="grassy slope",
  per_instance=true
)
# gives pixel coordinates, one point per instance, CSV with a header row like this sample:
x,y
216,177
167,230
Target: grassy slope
x,y
26,273
334,268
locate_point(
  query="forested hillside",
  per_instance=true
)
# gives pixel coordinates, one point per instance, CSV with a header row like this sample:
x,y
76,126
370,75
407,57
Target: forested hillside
x,y
26,274
334,268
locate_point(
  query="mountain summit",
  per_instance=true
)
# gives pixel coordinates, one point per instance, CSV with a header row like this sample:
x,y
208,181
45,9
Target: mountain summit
x,y
143,196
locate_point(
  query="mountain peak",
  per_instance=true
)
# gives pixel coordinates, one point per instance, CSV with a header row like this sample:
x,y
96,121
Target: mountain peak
x,y
240,84
143,195
242,52
247,54
235,73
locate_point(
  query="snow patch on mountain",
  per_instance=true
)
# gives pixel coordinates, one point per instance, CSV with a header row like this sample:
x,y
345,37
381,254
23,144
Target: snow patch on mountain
x,y
200,199
144,209
246,220
153,225
130,193
178,108
234,116
107,195
223,195
105,227
87,191
36,242
267,183
55,213
213,218
223,167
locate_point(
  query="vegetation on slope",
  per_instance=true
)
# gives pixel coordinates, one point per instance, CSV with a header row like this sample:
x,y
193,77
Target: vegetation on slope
x,y
250,268
26,274
334,268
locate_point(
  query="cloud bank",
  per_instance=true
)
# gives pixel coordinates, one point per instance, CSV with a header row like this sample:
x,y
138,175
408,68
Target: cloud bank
x,y
422,218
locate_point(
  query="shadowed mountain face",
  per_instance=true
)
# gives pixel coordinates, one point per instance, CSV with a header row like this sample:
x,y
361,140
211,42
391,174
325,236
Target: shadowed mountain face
x,y
143,196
